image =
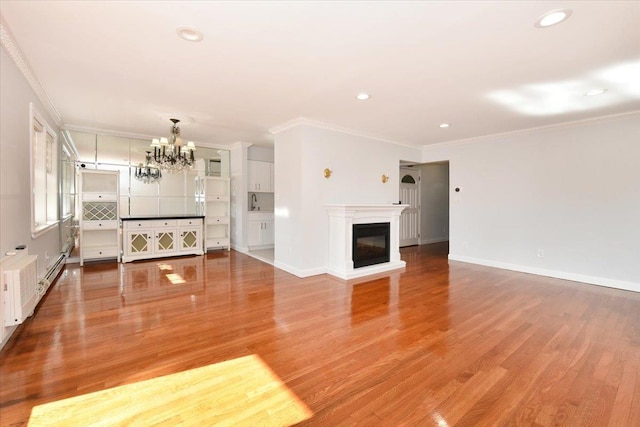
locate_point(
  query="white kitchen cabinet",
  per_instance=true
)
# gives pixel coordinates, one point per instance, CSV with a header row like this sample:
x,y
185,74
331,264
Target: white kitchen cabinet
x,y
261,234
212,195
260,176
99,225
146,238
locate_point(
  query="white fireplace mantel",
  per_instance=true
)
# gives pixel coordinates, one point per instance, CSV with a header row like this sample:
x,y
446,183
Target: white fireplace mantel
x,y
341,220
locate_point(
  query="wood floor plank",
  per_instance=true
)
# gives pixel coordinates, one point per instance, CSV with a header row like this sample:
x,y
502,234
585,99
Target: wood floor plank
x,y
438,343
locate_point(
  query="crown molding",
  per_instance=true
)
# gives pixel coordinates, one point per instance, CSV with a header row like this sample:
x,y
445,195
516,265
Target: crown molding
x,y
304,121
565,125
110,132
8,43
240,144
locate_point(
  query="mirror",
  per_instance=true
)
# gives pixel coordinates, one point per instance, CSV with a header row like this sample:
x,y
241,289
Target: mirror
x,y
175,194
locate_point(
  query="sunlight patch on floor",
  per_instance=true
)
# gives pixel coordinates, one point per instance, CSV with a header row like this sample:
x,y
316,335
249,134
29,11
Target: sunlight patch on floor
x,y
238,392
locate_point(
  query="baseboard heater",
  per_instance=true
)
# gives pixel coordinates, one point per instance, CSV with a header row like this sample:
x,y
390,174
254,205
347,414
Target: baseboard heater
x,y
52,273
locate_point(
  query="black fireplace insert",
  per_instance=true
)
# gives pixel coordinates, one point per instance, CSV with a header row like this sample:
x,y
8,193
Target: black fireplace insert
x,y
370,244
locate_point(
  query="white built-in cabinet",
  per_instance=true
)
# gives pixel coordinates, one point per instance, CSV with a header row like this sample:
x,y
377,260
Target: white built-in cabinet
x,y
156,238
99,219
260,176
213,198
261,234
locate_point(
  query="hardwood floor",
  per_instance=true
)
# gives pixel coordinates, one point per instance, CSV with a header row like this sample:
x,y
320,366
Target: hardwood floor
x,y
440,343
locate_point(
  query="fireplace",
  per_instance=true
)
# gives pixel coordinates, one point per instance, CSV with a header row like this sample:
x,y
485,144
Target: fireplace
x,y
370,244
344,227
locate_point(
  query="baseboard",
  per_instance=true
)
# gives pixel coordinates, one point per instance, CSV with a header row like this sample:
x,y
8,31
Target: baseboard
x,y
241,249
583,278
299,272
433,240
260,247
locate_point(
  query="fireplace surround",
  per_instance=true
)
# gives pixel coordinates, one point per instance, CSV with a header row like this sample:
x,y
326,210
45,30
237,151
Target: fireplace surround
x,y
342,218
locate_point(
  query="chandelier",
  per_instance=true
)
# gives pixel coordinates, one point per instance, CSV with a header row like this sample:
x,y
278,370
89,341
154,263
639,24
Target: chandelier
x,y
169,154
147,173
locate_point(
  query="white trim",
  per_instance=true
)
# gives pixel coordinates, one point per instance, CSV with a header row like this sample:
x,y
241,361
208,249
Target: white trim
x,y
7,41
240,144
37,122
532,130
241,249
40,230
303,121
109,132
299,272
590,280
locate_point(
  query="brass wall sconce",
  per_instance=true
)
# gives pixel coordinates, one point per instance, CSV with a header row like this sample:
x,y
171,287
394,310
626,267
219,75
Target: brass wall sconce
x,y
327,173
385,178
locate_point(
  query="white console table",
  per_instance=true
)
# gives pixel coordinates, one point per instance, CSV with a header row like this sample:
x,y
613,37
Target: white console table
x,y
161,236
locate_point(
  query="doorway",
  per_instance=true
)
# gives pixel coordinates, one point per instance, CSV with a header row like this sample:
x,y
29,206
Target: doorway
x,y
410,217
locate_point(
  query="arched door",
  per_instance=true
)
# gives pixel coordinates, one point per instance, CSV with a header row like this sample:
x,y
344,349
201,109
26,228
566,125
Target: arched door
x,y
410,217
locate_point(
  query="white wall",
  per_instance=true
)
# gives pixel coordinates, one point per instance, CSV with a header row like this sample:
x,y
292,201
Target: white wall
x,y
302,152
15,186
571,191
434,202
238,174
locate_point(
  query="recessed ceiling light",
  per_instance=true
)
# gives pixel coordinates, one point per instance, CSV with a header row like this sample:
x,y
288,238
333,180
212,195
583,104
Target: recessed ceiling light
x,y
363,96
444,125
189,34
552,18
595,92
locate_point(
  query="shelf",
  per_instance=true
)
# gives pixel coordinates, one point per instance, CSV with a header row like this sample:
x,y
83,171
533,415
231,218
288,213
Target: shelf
x,y
217,231
99,225
216,207
215,220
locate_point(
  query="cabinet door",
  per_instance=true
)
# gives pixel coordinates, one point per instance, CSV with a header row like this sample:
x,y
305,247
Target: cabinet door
x,y
260,176
255,232
139,242
269,172
190,238
267,233
165,240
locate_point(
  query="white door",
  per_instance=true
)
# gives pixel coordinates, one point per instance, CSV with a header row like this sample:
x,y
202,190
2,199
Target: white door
x,y
410,217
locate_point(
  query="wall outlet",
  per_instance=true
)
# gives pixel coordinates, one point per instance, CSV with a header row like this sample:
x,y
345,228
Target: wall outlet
x,y
540,253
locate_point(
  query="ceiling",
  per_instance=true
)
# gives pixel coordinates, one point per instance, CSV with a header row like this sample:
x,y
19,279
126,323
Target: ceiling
x,y
481,66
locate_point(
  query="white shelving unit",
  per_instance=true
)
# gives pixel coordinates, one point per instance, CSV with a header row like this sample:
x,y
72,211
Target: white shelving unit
x,y
99,218
213,198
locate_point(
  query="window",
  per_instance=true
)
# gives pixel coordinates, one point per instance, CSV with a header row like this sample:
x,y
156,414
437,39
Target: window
x,y
44,184
408,179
